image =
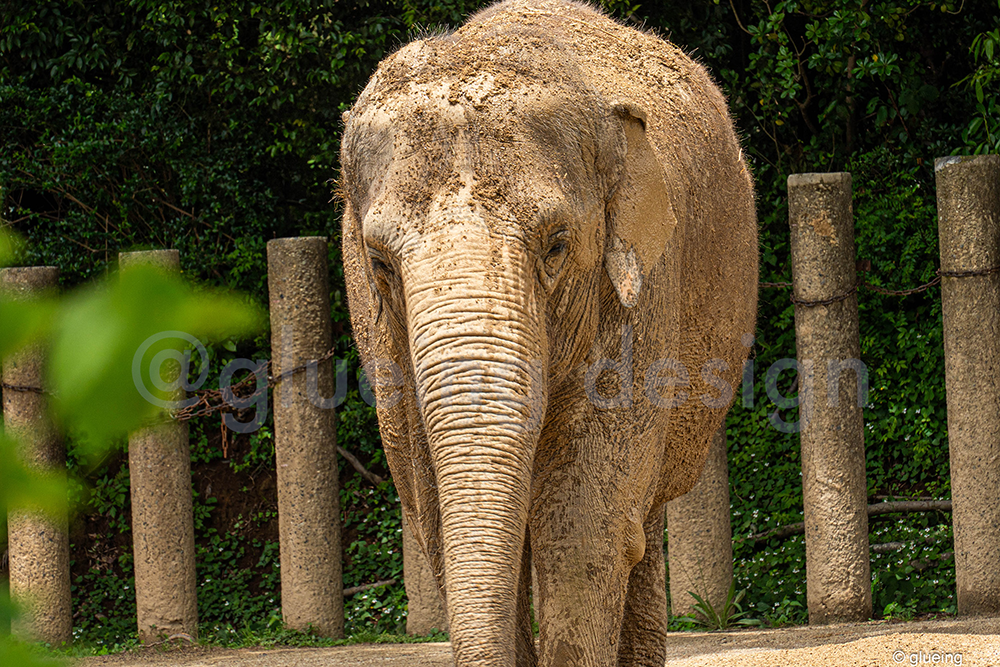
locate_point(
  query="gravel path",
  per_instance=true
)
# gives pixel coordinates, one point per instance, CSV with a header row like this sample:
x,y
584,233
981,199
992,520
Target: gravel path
x,y
974,642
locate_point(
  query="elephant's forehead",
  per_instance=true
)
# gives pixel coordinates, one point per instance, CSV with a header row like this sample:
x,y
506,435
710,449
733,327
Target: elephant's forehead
x,y
474,108
475,125
452,136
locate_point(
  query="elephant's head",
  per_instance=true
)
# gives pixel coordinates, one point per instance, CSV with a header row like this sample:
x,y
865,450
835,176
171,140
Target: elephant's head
x,y
502,204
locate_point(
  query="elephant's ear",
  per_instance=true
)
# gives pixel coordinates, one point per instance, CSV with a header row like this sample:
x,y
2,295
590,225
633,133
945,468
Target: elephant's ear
x,y
640,218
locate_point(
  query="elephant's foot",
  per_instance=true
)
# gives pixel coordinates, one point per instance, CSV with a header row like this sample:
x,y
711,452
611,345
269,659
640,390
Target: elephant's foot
x,y
644,625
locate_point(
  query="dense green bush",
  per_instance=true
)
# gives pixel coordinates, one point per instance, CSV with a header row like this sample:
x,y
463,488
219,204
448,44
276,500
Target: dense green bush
x,y
209,129
877,90
213,128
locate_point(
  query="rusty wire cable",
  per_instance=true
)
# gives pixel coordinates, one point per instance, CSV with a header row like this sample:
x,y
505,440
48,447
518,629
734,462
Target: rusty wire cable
x,y
882,290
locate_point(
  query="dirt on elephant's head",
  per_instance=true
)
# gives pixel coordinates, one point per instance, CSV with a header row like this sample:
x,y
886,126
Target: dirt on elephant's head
x,y
477,108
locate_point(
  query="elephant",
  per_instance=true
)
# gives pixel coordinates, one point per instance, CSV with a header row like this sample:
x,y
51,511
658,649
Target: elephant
x,y
550,251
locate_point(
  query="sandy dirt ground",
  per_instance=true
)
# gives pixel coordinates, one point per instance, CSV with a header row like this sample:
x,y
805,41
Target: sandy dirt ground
x,y
973,642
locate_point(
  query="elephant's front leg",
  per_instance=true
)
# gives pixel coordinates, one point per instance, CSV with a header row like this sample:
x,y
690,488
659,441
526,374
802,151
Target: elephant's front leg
x,y
585,548
644,626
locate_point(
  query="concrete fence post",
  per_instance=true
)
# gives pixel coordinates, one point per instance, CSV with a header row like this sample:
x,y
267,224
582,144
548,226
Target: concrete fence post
x,y
305,437
968,195
38,543
699,536
425,610
159,462
832,384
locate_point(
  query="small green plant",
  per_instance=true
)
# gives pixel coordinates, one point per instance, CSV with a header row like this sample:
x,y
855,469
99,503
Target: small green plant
x,y
895,611
785,612
731,613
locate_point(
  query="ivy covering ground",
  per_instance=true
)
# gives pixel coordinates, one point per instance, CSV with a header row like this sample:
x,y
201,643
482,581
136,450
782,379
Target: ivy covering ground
x,y
212,128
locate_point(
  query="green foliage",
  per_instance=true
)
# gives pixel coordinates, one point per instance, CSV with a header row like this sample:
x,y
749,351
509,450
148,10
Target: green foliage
x,y
920,577
375,553
785,612
231,596
827,78
379,611
901,339
373,521
108,496
982,135
107,587
261,452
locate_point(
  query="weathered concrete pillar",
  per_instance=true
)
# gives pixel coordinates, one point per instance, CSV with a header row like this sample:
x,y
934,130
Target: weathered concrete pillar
x,y
38,543
699,537
425,611
159,461
305,437
831,427
968,194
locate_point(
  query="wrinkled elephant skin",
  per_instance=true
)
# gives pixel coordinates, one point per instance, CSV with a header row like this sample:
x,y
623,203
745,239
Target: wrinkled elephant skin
x,y
550,251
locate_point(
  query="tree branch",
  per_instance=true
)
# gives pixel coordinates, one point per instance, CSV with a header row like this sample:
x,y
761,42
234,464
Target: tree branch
x,y
356,464
908,506
367,587
171,206
809,98
895,507
737,17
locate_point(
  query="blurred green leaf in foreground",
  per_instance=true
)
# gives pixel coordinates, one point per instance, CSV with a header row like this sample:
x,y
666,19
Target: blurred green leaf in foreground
x,y
98,332
92,337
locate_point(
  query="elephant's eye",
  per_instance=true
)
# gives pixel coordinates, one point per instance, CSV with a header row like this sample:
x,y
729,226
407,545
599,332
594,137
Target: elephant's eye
x,y
380,265
555,255
556,249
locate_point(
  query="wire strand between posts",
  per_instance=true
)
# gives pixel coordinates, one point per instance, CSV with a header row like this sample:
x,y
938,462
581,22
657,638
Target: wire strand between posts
x,y
881,290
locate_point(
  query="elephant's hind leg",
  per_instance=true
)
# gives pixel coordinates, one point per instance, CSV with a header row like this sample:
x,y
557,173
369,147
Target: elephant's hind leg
x,y
644,626
526,655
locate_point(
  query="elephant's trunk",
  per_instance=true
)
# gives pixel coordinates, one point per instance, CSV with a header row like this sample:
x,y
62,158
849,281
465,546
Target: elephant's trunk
x,y
475,336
